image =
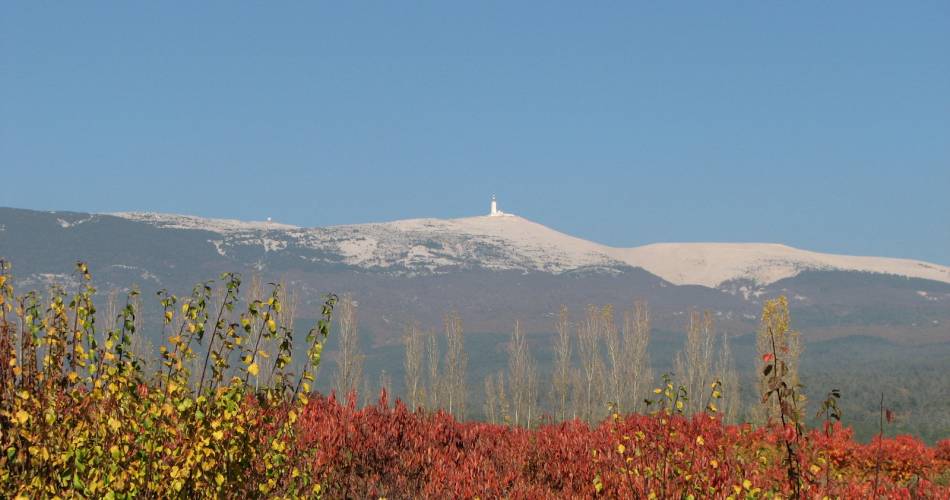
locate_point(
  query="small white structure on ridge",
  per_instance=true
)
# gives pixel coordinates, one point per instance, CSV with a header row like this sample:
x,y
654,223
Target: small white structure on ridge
x,y
494,209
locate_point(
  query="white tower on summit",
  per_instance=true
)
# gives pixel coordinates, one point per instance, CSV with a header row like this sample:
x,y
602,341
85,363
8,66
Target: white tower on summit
x,y
494,212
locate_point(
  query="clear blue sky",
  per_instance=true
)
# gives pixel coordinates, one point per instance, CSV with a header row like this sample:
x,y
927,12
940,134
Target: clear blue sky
x,y
823,125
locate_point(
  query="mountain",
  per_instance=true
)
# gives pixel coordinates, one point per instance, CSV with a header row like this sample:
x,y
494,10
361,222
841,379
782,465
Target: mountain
x,y
493,269
513,243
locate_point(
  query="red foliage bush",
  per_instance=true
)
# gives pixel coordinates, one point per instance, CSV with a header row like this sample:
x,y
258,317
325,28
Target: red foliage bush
x,y
389,451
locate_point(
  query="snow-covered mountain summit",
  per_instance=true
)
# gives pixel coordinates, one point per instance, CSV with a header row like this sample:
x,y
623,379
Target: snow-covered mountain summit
x,y
514,243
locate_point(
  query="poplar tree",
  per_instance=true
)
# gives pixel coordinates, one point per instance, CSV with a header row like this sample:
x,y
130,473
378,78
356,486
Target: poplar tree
x,y
412,338
561,383
456,363
638,374
349,375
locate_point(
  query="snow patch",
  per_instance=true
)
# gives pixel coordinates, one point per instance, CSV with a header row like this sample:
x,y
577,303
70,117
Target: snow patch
x,y
65,224
175,221
217,247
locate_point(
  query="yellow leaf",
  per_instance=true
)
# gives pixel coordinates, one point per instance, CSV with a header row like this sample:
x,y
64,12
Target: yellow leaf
x,y
746,484
621,449
218,435
700,441
253,369
272,326
168,316
22,416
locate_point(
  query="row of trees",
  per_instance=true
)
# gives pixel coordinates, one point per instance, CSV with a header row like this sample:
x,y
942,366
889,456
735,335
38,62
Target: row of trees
x,y
430,383
598,363
599,358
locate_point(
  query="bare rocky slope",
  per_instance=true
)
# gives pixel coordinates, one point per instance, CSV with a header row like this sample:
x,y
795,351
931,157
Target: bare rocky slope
x,y
493,269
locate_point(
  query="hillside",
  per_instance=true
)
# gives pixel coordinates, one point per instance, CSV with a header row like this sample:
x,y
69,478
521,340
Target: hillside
x,y
494,270
514,243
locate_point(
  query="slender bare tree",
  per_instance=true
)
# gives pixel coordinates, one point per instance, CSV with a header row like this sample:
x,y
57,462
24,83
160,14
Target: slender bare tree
x,y
561,383
730,404
504,409
412,338
456,362
693,365
614,383
522,379
434,387
491,400
638,374
349,375
588,340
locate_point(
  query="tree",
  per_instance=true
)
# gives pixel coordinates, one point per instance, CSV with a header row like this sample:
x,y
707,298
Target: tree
x,y
561,383
694,363
349,375
491,400
588,343
522,379
730,406
456,362
775,338
615,384
434,389
412,338
638,374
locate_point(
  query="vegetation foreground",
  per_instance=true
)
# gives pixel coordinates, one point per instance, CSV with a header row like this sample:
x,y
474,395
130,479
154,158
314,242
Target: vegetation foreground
x,y
80,417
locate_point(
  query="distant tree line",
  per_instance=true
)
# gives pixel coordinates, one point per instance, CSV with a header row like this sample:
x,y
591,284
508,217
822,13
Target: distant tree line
x,y
601,361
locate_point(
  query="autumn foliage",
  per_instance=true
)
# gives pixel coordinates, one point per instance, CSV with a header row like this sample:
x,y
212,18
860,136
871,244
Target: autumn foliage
x,y
387,450
80,417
